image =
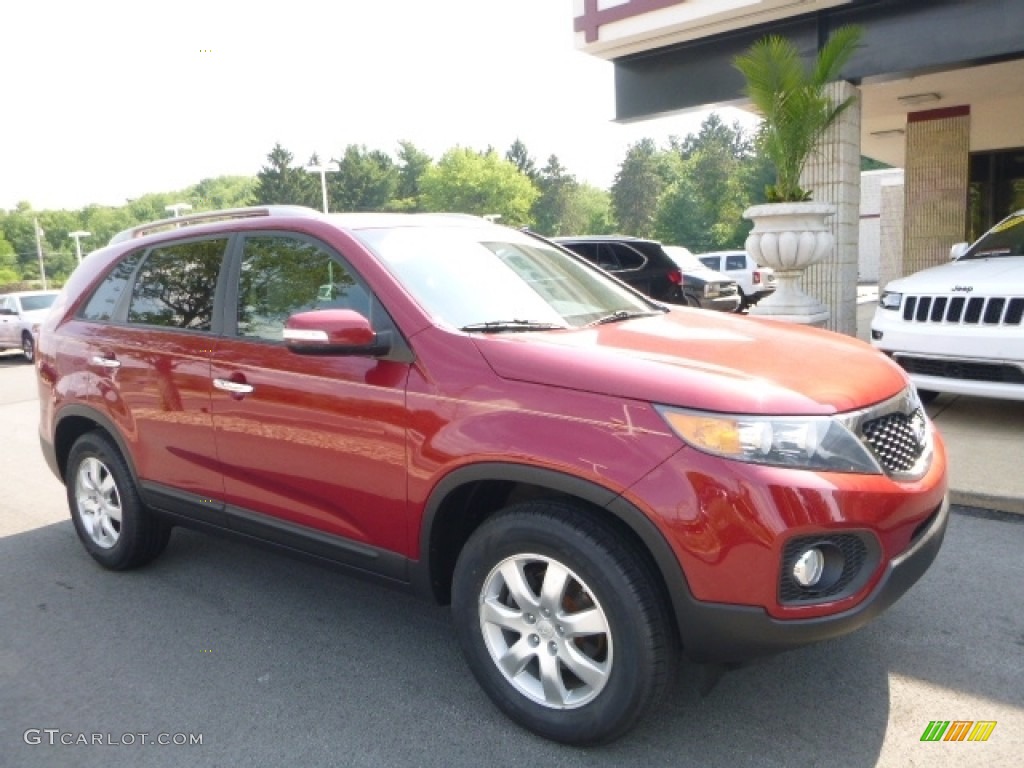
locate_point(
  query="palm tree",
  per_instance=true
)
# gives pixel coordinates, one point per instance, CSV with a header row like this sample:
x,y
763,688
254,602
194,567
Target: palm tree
x,y
794,102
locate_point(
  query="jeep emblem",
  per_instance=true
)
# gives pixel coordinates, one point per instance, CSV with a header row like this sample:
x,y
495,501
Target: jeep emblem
x,y
963,288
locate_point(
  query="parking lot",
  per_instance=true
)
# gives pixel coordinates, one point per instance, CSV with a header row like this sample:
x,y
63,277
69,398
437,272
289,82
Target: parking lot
x,y
272,661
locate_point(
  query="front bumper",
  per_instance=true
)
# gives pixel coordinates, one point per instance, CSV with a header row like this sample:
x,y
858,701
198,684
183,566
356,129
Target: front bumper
x,y
718,632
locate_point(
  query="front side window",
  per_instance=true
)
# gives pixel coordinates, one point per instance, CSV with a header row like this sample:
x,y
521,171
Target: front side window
x,y
281,275
176,285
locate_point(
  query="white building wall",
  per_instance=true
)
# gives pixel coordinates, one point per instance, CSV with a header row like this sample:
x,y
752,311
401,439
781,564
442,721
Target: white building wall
x,y
870,241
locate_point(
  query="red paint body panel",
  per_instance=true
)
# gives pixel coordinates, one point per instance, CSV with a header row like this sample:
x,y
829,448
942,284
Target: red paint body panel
x,y
354,448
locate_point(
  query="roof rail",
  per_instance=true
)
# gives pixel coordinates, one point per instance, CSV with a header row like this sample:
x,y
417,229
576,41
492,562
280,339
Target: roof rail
x,y
207,216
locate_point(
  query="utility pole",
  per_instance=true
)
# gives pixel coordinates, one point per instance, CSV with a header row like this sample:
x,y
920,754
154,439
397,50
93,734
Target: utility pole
x,y
39,250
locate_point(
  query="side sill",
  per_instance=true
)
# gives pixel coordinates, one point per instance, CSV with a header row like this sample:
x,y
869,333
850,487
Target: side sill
x,y
212,516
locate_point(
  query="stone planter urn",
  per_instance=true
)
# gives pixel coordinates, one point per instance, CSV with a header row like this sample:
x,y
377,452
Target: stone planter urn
x,y
789,237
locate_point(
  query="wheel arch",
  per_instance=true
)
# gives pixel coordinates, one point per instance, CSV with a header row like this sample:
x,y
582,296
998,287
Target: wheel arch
x,y
77,420
469,495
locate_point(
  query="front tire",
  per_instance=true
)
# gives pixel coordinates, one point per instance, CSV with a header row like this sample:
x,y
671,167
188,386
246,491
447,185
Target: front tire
x,y
561,622
113,524
28,347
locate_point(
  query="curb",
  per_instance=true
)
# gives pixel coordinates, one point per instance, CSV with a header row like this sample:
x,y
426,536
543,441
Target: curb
x,y
985,501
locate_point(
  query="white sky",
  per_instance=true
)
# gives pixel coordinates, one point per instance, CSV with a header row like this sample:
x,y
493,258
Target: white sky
x,y
105,100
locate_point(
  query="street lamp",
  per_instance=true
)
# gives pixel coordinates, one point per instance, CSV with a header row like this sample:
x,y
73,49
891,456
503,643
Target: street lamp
x,y
177,208
78,242
322,169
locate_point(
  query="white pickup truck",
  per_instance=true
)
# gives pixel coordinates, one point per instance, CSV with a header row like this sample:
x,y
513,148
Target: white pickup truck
x,y
959,328
20,316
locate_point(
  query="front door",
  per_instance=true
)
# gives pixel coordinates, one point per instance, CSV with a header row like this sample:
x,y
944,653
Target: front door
x,y
307,441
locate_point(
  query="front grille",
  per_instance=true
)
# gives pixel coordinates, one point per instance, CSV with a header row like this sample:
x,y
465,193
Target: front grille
x,y
896,439
962,310
845,557
1001,373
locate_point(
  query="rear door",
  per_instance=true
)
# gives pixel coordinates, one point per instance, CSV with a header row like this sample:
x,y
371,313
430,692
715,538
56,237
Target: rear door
x,y
308,442
149,332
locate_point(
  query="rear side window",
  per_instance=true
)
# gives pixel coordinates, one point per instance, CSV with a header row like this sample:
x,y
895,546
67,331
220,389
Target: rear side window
x,y
176,285
738,261
103,304
627,257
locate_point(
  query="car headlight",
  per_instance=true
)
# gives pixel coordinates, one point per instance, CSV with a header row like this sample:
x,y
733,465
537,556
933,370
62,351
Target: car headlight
x,y
890,300
803,442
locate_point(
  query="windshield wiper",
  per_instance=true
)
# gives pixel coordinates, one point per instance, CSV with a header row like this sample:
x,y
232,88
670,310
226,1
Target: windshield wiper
x,y
622,314
513,326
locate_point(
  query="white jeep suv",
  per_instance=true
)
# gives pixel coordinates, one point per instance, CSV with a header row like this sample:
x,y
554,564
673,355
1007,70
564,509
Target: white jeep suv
x,y
959,328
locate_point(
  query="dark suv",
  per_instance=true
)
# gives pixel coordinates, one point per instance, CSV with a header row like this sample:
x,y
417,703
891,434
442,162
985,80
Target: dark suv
x,y
645,265
592,480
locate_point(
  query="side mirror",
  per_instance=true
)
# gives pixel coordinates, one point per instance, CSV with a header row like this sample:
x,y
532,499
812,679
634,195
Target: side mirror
x,y
334,332
958,250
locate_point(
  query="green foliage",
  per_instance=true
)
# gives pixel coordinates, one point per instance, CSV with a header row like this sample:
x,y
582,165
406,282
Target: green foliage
x,y
281,183
464,181
702,208
365,180
553,213
644,174
519,157
412,164
794,102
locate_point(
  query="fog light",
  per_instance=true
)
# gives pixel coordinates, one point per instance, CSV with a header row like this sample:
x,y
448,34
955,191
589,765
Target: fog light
x,y
809,567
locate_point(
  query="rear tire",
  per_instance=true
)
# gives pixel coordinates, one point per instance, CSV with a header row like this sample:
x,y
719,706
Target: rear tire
x,y
113,524
561,622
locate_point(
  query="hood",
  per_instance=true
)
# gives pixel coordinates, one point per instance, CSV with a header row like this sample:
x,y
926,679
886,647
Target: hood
x,y
992,276
704,360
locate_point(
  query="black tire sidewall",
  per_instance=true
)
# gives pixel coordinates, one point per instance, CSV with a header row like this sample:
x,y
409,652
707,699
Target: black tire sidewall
x,y
630,685
125,551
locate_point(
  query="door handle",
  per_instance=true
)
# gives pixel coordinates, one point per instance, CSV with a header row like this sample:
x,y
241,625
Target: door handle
x,y
234,387
104,362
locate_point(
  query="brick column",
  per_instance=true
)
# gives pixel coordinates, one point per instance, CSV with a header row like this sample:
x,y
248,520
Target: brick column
x,y
833,176
935,212
890,262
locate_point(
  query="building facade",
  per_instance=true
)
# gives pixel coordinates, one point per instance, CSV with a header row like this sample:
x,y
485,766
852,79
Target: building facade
x,y
940,96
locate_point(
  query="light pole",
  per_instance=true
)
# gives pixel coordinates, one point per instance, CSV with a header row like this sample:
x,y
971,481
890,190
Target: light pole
x,y
78,242
177,208
323,169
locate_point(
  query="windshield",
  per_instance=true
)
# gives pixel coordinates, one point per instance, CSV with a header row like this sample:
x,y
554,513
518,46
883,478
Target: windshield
x,y
470,277
42,301
1004,239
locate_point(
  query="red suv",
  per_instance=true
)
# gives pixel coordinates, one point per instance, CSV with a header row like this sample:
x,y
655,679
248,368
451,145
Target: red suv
x,y
592,480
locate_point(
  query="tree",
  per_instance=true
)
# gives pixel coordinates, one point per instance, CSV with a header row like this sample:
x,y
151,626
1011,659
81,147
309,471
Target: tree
x,y
552,213
365,181
223,192
412,164
465,181
519,157
281,183
703,207
642,177
794,102
9,272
